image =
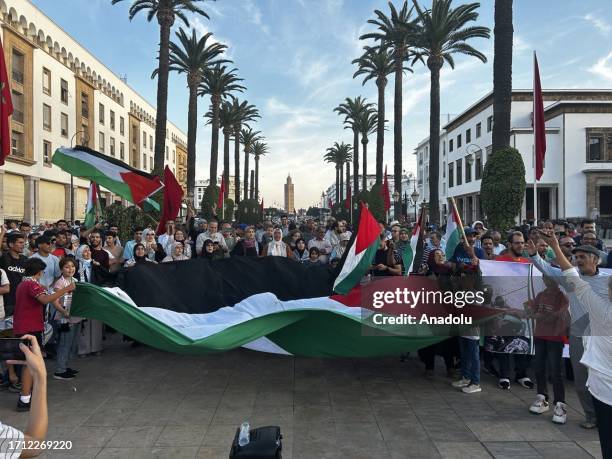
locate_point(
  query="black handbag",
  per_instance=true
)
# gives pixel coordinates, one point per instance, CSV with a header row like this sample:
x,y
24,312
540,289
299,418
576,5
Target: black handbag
x,y
264,443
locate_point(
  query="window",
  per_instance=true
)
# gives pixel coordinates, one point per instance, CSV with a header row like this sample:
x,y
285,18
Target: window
x,y
84,105
459,141
444,148
426,174
64,91
478,169
443,170
150,142
459,172
450,145
112,146
64,125
46,81
101,113
167,153
468,136
46,152
595,148
17,66
101,142
17,98
144,161
46,117
478,130
112,120
17,144
151,163
469,160
451,175
121,125
421,158
144,139
121,151
489,124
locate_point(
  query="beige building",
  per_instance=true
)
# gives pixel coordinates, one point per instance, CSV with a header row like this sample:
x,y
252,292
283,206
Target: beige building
x,y
63,96
289,196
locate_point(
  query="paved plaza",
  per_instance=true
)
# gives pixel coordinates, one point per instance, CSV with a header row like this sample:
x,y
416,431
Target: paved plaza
x,y
142,403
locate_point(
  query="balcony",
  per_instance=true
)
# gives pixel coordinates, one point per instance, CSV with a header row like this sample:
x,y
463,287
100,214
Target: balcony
x,y
18,116
17,76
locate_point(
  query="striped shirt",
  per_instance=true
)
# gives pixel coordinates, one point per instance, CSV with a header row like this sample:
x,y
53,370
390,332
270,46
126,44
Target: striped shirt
x,y
11,442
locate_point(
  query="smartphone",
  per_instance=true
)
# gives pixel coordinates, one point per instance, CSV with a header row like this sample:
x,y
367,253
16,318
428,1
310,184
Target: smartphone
x,y
9,349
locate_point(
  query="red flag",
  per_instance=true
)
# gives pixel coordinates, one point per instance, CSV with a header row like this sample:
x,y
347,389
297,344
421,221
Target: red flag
x,y
173,195
221,193
385,192
347,201
6,110
539,125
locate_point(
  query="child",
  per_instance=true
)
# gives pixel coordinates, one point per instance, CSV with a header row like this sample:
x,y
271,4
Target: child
x,y
30,301
67,325
313,257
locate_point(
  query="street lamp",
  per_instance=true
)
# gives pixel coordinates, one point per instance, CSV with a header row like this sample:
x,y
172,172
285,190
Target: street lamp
x,y
415,198
85,141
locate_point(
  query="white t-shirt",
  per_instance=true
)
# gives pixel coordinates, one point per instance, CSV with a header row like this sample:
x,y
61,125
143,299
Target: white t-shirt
x,y
3,281
11,442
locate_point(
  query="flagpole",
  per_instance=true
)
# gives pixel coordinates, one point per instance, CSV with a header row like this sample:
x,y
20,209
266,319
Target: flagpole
x,y
534,153
461,230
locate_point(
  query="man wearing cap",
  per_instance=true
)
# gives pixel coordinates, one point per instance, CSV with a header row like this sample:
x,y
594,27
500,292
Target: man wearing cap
x,y
590,238
466,258
586,258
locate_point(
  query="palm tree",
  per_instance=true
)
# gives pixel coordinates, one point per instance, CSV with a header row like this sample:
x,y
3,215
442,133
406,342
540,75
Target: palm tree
x,y
247,138
367,124
217,82
166,11
443,32
502,74
258,150
191,56
227,119
397,32
339,154
375,64
244,113
352,110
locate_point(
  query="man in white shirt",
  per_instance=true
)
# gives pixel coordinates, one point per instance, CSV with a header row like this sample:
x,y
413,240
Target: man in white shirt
x,y
164,238
321,243
214,235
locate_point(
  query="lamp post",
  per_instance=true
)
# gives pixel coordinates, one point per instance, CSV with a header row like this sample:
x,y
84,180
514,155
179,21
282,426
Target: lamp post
x,y
405,207
85,141
396,200
415,198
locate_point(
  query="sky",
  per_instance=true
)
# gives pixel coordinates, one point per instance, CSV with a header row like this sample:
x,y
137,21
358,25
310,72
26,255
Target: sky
x,y
295,58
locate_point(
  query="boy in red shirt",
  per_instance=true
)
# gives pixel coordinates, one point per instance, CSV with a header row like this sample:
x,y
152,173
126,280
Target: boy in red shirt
x,y
28,318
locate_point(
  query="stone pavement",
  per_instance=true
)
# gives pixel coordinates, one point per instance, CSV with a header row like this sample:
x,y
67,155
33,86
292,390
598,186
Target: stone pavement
x,y
142,403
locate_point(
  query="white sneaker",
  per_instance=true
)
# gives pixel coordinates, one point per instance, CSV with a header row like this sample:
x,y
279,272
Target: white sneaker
x,y
540,405
560,413
471,389
463,382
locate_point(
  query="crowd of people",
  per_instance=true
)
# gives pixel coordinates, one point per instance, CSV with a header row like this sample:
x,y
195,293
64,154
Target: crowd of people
x,y
39,267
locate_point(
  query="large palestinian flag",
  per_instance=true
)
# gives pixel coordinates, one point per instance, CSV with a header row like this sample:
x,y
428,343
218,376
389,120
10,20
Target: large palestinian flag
x,y
114,175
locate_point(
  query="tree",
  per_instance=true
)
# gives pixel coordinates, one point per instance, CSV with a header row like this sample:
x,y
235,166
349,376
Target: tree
x,y
367,123
249,212
397,32
503,187
244,113
502,74
166,11
217,82
376,63
442,33
259,150
209,202
192,56
247,138
352,109
338,154
227,119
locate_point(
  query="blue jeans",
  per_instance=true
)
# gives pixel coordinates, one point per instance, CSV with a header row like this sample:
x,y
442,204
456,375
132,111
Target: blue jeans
x,y
470,359
66,347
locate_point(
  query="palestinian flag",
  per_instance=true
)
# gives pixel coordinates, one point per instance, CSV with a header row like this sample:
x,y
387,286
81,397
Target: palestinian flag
x,y
409,254
360,253
453,232
114,175
93,206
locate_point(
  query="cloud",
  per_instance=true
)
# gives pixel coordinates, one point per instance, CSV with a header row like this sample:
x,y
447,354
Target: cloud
x,y
603,67
597,22
255,15
519,45
201,29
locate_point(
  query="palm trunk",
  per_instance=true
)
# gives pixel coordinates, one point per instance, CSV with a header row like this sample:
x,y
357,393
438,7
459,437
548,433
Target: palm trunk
x,y
214,146
337,184
192,128
397,128
381,83
257,178
502,74
226,159
355,161
364,144
246,172
341,183
434,142
165,19
348,180
252,188
237,164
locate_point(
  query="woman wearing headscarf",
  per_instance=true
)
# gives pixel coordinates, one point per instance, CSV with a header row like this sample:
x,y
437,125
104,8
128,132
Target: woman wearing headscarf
x,y
140,256
276,247
300,253
154,250
210,251
178,236
292,238
90,335
247,247
176,253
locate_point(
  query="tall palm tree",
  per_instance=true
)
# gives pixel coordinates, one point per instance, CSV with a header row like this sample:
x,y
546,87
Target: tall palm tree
x,y
397,32
247,138
376,63
367,124
192,55
244,114
502,74
217,82
227,119
443,32
166,11
331,157
339,154
258,150
352,110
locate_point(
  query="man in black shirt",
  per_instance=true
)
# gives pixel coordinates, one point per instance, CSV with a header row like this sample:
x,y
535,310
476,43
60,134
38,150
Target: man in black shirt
x,y
12,262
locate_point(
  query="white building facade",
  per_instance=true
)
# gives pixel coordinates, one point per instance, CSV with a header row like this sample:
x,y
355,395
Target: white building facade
x,y
578,167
